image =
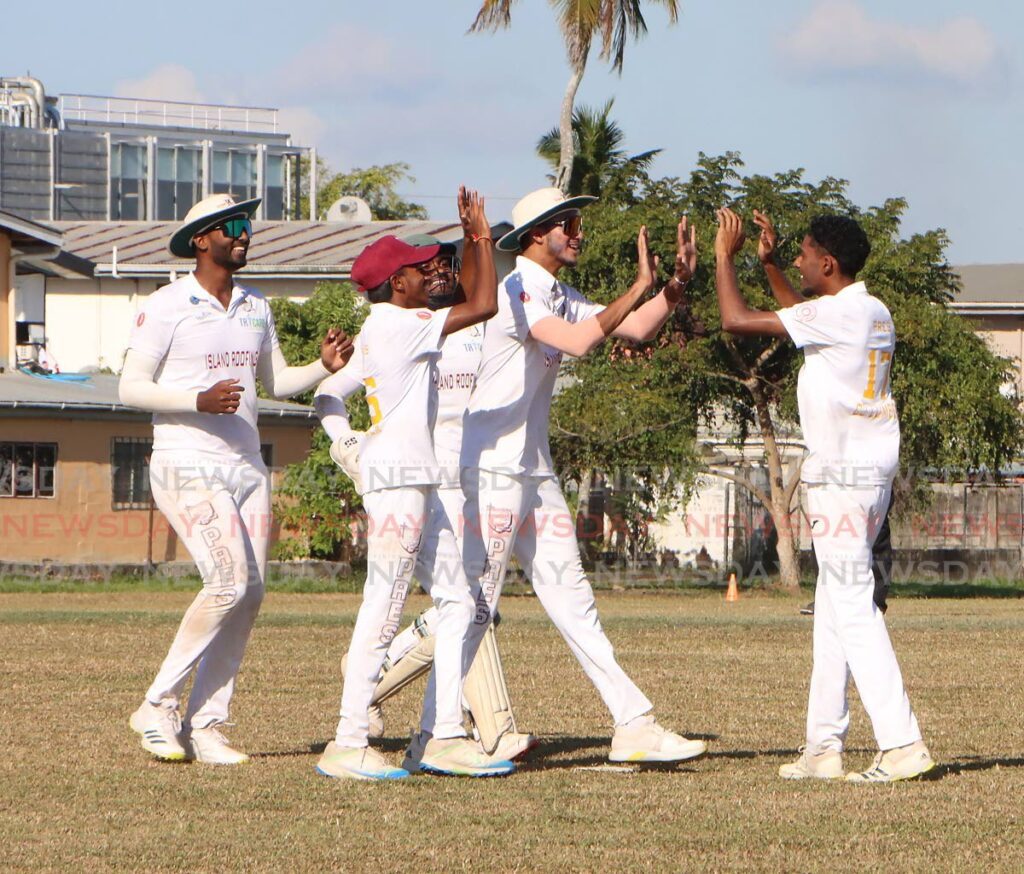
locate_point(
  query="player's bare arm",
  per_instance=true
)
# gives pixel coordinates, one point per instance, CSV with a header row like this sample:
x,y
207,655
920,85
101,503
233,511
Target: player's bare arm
x,y
581,337
737,316
481,301
767,247
643,324
467,275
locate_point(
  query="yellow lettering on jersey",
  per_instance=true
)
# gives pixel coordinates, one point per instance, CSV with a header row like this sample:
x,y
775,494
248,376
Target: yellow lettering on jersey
x,y
371,401
876,358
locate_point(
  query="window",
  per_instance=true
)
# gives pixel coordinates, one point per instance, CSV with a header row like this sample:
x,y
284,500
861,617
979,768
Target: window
x,y
179,184
273,200
234,173
27,470
127,182
129,472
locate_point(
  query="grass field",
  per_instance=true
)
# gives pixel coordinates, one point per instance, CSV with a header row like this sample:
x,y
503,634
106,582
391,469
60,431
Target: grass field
x,y
79,794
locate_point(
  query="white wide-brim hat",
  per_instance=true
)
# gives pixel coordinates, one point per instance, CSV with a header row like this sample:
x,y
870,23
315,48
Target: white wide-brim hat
x,y
209,212
535,209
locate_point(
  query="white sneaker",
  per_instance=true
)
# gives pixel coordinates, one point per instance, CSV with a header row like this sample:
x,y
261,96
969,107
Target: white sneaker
x,y
643,740
513,744
159,728
826,765
376,717
209,746
461,757
357,763
902,763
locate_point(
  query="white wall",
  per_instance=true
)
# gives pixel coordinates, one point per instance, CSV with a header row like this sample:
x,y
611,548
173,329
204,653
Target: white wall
x,y
703,522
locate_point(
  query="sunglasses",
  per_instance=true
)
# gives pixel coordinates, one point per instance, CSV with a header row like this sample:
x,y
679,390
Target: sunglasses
x,y
572,226
234,228
440,264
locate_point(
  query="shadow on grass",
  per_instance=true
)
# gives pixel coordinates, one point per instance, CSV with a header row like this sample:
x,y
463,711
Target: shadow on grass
x,y
966,764
958,590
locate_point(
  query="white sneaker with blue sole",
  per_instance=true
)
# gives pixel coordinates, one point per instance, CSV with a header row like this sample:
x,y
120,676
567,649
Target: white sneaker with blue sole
x,y
357,763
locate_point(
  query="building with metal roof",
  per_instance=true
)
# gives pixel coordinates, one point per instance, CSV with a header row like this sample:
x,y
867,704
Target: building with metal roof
x,y
74,484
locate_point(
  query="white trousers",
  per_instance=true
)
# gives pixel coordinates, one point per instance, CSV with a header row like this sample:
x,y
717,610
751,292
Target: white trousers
x,y
850,637
220,508
528,517
403,522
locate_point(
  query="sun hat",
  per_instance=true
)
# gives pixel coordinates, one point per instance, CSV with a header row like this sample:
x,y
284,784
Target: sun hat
x,y
419,240
208,213
535,209
383,258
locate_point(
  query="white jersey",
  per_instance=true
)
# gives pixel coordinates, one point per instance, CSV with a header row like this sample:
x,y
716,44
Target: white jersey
x,y
200,344
846,408
399,350
506,426
454,376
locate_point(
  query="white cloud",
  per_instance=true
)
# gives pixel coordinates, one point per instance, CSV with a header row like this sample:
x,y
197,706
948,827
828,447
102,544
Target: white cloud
x,y
166,82
305,126
350,61
839,36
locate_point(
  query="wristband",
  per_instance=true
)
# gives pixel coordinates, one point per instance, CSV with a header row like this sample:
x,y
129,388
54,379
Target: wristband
x,y
476,238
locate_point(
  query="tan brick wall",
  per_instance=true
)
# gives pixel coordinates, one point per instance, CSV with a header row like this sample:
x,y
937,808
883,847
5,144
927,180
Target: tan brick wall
x,y
78,525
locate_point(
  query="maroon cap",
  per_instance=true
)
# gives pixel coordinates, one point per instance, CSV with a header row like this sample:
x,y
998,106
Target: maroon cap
x,y
381,260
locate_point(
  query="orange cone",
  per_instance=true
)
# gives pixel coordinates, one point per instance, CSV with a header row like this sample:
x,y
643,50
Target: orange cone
x,y
733,592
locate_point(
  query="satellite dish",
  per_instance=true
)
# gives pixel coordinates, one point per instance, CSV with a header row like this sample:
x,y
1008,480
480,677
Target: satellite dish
x,y
349,209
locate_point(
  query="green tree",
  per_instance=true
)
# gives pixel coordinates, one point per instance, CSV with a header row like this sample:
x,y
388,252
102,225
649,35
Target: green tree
x,y
376,185
316,500
596,149
612,22
945,379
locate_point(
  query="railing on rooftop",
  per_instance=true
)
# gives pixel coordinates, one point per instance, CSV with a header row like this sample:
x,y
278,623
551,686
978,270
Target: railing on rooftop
x,y
167,113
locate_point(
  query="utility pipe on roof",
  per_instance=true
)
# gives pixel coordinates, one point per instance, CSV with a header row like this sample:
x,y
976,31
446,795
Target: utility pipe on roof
x,y
36,98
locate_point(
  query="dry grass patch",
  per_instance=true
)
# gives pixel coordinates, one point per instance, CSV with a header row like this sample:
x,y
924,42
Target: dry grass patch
x,y
79,794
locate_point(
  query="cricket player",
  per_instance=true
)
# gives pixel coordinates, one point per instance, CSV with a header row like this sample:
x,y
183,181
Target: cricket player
x,y
196,350
411,653
512,494
787,296
853,438
399,345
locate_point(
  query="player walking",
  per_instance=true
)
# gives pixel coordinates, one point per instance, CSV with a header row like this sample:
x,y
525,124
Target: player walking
x,y
411,653
852,433
398,472
511,491
196,350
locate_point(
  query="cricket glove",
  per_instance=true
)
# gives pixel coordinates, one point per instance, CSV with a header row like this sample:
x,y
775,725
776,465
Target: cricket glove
x,y
345,453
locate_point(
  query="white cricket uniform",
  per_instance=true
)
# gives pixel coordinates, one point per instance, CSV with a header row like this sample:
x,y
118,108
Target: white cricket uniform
x,y
210,482
852,433
440,556
398,350
510,486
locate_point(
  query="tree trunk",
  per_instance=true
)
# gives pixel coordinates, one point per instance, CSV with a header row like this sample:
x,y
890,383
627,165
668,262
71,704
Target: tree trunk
x,y
789,569
567,143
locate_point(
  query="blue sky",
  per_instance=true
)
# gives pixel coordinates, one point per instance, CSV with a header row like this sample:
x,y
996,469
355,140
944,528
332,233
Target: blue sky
x,y
920,99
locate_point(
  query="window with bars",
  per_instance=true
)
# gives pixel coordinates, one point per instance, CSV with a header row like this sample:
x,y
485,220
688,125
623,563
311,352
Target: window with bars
x,y
27,470
129,472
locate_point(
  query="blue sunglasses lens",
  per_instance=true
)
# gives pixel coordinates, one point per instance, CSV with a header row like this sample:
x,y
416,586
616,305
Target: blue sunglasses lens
x,y
234,228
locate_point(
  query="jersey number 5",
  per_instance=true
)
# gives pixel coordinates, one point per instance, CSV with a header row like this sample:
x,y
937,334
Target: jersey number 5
x,y
878,375
375,414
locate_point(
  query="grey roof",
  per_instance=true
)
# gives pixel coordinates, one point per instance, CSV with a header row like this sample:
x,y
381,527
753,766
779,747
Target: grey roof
x,y
323,249
25,231
22,392
991,283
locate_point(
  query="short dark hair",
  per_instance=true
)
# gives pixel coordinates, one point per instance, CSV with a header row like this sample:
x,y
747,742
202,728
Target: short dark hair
x,y
380,294
844,239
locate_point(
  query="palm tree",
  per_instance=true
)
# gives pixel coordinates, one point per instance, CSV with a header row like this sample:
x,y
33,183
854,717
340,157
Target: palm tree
x,y
612,21
596,153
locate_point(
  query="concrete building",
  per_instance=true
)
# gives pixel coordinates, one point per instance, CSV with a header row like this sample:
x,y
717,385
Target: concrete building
x,y
74,483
